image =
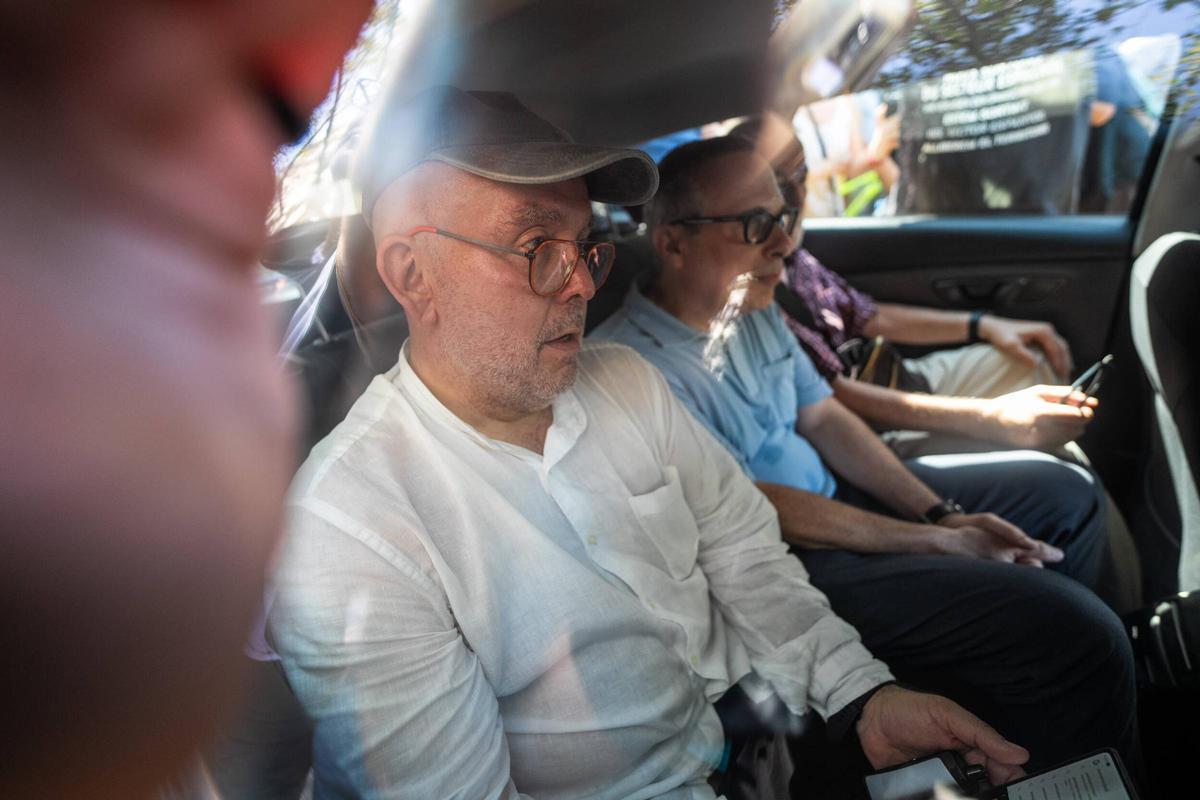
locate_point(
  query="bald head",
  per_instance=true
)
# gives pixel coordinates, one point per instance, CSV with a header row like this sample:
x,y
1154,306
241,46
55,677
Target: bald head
x,y
417,197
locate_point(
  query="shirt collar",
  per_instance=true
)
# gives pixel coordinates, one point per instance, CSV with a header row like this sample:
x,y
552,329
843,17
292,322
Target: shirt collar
x,y
569,423
656,323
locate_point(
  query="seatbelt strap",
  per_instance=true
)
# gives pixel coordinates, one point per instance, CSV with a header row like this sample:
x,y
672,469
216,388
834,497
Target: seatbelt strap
x,y
794,306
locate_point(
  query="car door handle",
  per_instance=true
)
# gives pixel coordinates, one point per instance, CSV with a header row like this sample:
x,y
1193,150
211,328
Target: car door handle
x,y
995,292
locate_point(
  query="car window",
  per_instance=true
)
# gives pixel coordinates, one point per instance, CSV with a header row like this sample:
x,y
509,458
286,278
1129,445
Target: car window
x,y
1044,107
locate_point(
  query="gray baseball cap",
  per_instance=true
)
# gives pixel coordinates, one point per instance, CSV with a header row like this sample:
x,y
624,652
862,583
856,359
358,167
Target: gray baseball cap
x,y
491,134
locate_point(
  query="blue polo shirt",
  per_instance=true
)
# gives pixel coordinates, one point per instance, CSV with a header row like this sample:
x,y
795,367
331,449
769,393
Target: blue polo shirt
x,y
746,389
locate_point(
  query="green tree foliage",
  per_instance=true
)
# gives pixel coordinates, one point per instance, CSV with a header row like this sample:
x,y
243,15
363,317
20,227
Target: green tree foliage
x,y
950,35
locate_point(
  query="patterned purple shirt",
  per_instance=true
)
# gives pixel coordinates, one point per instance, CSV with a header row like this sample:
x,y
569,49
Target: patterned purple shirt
x,y
839,311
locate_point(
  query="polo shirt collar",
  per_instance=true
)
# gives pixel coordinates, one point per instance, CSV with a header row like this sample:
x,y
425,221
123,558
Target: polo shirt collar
x,y
664,329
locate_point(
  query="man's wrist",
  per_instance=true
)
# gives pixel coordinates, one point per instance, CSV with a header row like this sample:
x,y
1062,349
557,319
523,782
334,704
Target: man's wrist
x,y
973,321
846,720
940,510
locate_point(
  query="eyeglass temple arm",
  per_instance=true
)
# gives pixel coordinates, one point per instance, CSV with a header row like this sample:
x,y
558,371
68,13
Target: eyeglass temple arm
x,y
488,245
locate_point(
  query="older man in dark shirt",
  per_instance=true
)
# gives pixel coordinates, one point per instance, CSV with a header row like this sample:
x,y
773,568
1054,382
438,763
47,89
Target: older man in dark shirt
x,y
994,391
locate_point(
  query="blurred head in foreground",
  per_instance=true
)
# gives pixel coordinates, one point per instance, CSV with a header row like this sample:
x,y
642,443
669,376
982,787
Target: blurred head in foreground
x,y
146,436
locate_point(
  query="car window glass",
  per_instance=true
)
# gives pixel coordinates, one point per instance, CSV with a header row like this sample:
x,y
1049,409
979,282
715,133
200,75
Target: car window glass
x,y
1042,107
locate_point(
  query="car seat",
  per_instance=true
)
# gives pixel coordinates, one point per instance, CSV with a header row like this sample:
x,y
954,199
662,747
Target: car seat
x,y
352,334
1166,333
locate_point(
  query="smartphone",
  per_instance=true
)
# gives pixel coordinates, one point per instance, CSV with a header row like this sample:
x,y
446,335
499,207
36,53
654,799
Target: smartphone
x,y
1089,380
915,780
1096,776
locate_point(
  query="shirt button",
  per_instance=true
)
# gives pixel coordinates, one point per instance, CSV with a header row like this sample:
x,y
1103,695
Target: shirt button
x,y
591,540
695,661
653,605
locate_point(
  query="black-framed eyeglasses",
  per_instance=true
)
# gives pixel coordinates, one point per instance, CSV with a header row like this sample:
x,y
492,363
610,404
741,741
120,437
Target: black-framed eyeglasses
x,y
551,261
756,224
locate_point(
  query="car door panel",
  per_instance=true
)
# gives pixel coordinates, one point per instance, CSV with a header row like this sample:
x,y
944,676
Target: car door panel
x,y
1066,270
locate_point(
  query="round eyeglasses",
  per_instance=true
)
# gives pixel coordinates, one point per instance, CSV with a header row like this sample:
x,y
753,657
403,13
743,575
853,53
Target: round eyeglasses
x,y
756,224
551,261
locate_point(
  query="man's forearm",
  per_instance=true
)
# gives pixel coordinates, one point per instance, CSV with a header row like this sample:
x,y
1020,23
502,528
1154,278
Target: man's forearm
x,y
852,450
815,522
893,409
915,325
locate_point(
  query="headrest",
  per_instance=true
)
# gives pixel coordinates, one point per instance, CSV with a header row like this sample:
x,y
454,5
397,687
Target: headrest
x,y
363,292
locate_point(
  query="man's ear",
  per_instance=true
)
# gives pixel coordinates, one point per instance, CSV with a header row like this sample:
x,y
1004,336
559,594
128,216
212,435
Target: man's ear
x,y
405,276
669,245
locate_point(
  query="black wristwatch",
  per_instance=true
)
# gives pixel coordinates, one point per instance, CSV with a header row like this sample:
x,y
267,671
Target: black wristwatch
x,y
841,723
973,326
943,509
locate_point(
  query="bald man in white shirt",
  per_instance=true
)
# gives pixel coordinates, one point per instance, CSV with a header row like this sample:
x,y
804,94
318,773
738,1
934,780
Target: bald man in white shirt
x,y
519,567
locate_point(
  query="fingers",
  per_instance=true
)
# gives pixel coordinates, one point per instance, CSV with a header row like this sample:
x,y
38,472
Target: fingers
x,y
1020,351
1049,553
1056,394
1057,351
982,740
998,774
1066,414
1058,354
1005,530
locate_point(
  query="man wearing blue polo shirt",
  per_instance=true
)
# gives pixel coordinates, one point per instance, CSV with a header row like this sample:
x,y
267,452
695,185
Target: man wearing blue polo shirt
x,y
953,599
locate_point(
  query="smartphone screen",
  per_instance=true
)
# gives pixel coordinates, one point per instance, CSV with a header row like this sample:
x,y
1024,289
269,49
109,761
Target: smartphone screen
x,y
1094,777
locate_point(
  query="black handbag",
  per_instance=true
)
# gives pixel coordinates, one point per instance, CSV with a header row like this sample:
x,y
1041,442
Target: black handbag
x,y
878,361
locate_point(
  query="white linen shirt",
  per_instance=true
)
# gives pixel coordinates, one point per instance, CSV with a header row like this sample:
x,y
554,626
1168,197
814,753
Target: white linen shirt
x,y
464,618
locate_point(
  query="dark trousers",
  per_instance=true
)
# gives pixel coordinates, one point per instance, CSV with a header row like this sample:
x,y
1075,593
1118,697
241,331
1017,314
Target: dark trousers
x,y
1033,652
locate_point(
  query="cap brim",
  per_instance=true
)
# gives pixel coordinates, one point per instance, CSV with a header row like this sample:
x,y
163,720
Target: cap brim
x,y
613,174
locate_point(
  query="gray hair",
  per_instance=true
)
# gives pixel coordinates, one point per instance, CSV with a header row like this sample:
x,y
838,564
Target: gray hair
x,y
678,195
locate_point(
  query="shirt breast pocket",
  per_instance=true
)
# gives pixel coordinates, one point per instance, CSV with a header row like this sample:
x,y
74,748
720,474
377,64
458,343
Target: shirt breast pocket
x,y
667,521
779,379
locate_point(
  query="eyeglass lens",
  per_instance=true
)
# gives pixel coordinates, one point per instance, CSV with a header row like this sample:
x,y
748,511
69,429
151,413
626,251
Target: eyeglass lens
x,y
554,261
758,226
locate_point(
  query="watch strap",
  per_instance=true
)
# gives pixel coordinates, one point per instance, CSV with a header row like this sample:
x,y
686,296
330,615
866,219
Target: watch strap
x,y
973,326
945,508
841,723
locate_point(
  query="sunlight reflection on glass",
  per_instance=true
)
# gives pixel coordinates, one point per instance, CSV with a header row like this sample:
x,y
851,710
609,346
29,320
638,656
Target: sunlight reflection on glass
x,y
723,326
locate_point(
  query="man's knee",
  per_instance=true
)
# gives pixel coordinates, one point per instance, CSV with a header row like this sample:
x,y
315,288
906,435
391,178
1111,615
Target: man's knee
x,y
1068,500
1046,473
1074,635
